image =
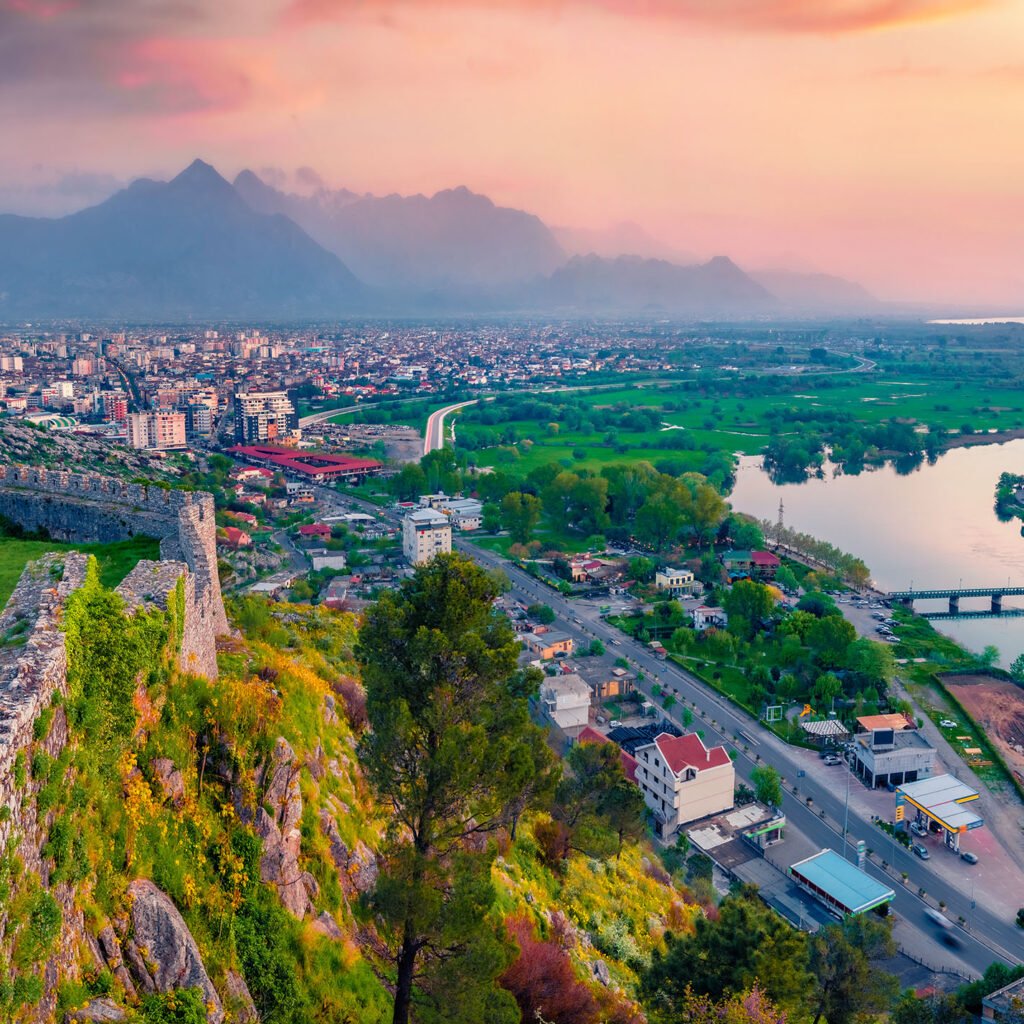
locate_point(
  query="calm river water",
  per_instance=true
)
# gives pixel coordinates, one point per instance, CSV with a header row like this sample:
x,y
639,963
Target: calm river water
x,y
932,528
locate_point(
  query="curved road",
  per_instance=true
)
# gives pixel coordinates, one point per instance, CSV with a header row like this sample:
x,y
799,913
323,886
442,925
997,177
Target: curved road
x,y
433,435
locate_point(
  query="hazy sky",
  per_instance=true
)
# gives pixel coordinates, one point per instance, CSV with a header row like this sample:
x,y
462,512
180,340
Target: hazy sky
x,y
880,139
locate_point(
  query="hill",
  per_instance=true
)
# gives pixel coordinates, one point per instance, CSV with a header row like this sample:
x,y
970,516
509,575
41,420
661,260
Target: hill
x,y
455,239
190,247
635,284
816,293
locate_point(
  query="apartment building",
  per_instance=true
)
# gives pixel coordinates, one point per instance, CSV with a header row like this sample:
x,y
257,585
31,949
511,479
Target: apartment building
x,y
683,781
156,430
425,533
264,416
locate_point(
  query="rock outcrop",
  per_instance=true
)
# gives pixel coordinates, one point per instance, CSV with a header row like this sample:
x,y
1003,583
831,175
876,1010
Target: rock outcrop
x,y
96,1011
161,951
357,868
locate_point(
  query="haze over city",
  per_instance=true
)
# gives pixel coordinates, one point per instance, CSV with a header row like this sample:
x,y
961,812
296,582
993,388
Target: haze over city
x,y
876,141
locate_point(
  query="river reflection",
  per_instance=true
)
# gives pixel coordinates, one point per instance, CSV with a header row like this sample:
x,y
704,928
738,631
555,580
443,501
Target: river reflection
x,y
931,527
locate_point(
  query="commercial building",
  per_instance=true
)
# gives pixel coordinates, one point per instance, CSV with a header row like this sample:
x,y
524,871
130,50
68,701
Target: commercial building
x,y
565,701
709,618
940,804
264,416
683,781
316,467
676,582
1005,1005
425,533
156,430
888,751
758,565
841,886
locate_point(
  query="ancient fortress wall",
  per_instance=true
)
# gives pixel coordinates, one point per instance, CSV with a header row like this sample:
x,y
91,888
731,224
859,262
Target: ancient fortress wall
x,y
86,507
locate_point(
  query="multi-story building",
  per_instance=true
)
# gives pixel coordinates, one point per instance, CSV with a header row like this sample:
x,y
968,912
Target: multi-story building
x,y
675,581
198,421
114,405
683,781
156,429
888,750
565,701
264,416
12,364
425,533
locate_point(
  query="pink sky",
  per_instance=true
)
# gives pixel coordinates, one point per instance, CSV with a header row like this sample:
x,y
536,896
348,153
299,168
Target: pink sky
x,y
878,139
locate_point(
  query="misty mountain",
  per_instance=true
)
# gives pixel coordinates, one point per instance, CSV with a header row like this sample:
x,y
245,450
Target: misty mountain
x,y
455,240
622,239
815,293
184,248
631,284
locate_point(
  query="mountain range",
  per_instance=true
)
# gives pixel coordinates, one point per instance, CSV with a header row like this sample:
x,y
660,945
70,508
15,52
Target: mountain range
x,y
200,246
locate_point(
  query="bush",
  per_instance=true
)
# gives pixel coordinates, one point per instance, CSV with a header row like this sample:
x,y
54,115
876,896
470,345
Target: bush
x,y
353,696
553,839
182,1006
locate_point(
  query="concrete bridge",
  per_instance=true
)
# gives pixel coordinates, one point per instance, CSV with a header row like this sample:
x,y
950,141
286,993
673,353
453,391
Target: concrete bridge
x,y
953,596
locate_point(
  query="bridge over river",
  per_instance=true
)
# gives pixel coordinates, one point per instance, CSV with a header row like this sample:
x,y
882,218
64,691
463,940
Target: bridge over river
x,y
906,598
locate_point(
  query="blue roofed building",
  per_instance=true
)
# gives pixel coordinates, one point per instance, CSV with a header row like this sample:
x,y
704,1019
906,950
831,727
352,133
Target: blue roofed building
x,y
841,886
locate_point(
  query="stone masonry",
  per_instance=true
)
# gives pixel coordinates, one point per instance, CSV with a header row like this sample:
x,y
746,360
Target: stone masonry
x,y
86,507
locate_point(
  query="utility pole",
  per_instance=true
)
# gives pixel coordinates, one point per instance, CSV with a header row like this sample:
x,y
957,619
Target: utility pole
x,y
846,816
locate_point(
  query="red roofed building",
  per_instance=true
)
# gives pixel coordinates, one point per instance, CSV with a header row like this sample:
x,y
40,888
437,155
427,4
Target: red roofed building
x,y
315,531
307,465
765,564
235,538
590,735
683,781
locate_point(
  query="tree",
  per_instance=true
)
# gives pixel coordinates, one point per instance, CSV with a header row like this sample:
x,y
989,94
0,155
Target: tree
x,y
767,785
844,960
642,569
786,578
830,638
873,661
989,656
747,944
592,803
543,613
747,603
745,533
940,1008
1017,668
819,605
706,512
520,513
450,749
596,648
490,518
409,482
659,521
826,688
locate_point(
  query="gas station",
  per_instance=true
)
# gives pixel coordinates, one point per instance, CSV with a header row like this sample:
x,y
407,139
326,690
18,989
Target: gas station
x,y
940,801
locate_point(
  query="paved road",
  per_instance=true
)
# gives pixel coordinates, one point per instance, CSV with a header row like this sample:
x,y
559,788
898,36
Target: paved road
x,y
990,936
433,435
327,414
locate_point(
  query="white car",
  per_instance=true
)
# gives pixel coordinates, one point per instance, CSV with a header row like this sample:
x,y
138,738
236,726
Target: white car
x,y
614,724
947,723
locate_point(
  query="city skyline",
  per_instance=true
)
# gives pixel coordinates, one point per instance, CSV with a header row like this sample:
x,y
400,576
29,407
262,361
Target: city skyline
x,y
879,141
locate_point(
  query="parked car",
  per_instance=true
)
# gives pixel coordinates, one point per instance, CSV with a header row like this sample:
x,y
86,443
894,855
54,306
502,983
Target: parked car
x,y
921,851
971,858
614,724
918,829
947,723
831,760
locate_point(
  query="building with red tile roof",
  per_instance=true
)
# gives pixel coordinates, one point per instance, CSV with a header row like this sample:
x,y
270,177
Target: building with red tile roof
x,y
307,465
591,735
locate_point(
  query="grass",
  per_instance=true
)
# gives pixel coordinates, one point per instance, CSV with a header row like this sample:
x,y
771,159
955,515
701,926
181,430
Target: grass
x,y
116,560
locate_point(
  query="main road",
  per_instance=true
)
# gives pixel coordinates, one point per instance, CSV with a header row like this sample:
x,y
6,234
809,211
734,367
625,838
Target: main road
x,y
433,435
988,938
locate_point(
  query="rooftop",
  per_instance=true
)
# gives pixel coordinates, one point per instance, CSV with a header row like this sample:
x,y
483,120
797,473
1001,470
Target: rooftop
x,y
897,722
844,882
942,797
688,751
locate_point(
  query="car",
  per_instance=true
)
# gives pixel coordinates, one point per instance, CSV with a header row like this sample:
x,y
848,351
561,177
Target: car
x,y
921,851
918,829
947,723
970,858
831,760
614,724
618,643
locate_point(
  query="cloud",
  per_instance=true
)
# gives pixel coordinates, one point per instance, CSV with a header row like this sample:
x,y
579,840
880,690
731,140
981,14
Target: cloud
x,y
800,16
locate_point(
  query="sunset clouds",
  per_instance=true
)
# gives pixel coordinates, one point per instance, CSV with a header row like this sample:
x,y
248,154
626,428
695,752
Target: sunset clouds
x,y
882,139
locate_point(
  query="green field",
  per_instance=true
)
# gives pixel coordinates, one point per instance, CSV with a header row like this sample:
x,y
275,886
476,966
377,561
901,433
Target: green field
x,y
737,423
116,560
410,412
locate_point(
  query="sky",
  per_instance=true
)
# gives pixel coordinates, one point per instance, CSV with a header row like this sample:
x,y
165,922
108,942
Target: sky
x,y
882,140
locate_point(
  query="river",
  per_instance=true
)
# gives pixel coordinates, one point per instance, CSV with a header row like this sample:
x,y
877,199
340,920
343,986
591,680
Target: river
x,y
932,528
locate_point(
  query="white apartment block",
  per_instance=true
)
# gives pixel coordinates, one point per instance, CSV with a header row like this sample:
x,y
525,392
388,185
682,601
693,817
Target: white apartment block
x,y
159,430
425,533
683,781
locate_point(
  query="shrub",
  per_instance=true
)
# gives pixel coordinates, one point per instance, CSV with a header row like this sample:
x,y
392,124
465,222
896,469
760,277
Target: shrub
x,y
353,696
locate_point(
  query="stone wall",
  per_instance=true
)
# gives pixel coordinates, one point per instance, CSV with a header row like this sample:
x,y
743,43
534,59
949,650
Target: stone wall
x,y
86,507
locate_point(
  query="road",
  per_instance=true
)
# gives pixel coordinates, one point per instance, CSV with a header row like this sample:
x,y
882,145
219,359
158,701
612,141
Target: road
x,y
433,435
989,937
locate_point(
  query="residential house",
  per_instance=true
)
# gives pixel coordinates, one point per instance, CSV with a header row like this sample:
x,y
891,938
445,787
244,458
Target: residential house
x,y
682,780
758,565
322,558
709,618
235,538
313,532
550,645
565,701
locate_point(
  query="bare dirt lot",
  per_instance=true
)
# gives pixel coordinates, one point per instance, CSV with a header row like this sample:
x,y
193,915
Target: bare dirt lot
x,y
998,708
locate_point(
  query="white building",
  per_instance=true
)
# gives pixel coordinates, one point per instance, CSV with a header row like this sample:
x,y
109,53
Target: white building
x,y
675,581
464,513
707,618
425,533
683,781
565,700
159,430
324,558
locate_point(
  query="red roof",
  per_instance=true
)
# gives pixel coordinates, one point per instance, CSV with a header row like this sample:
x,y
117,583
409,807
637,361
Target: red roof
x,y
315,530
590,735
765,559
236,537
310,463
682,752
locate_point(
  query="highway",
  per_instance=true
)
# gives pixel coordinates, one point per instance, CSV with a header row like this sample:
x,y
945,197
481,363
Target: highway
x,y
433,435
988,938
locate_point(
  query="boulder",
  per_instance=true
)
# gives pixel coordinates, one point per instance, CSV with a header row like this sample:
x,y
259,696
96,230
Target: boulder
x,y
111,950
600,969
279,865
330,710
161,951
238,1001
169,779
357,868
326,925
96,1011
281,794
